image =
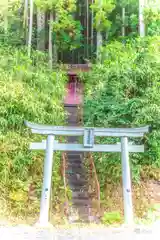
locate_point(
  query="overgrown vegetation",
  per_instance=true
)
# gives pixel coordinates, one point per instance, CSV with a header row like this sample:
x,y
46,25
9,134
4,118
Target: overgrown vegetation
x,y
126,94
29,91
122,91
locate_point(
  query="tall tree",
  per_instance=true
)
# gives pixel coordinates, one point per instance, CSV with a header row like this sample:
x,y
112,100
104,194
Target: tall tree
x,y
40,29
4,5
141,18
102,10
25,20
30,27
6,18
99,35
50,40
55,49
123,21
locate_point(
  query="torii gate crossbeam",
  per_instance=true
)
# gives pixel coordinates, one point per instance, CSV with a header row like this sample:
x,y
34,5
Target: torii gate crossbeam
x,y
51,145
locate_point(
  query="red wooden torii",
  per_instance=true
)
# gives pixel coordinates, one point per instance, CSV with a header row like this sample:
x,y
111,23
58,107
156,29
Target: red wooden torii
x,y
74,86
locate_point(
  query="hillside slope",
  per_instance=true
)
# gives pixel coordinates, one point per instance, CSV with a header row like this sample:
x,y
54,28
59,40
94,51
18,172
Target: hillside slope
x,y
126,94
28,91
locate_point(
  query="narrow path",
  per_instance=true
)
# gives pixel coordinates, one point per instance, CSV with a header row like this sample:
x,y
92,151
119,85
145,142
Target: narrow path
x,y
76,174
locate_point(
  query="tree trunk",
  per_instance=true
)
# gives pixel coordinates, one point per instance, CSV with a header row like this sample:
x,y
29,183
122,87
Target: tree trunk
x,y
40,30
123,22
87,28
92,29
55,53
25,20
99,44
141,18
50,42
30,28
25,13
99,39
6,18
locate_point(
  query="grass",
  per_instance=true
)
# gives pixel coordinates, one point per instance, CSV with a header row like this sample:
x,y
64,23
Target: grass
x,y
30,92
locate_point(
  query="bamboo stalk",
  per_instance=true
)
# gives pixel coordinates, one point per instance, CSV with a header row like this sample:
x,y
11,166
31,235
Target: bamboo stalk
x,y
41,18
87,26
50,42
92,28
30,28
6,19
99,38
25,13
25,20
55,53
141,18
123,22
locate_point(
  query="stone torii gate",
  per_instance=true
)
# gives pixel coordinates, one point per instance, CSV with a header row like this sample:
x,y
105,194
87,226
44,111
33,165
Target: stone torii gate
x,y
51,145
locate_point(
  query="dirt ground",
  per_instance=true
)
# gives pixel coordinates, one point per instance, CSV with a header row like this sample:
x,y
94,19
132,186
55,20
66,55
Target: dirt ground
x,y
145,197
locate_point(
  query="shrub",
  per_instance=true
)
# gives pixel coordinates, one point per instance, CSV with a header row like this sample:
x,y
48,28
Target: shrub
x,y
30,92
111,218
124,92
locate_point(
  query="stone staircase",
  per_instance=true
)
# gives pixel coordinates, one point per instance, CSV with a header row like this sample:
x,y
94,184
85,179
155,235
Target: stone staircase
x,y
78,182
76,174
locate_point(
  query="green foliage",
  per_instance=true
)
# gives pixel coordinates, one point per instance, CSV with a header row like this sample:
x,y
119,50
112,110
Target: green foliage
x,y
111,218
152,215
67,32
131,19
102,9
59,6
29,91
125,94
11,31
152,19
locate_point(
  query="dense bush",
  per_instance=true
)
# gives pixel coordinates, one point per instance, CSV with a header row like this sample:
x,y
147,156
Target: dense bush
x,y
30,92
124,92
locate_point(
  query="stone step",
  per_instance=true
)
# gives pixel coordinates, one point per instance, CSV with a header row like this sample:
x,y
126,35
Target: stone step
x,y
76,173
74,154
83,210
81,195
75,160
77,183
73,123
79,188
71,155
73,170
89,218
81,202
77,176
75,165
72,139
